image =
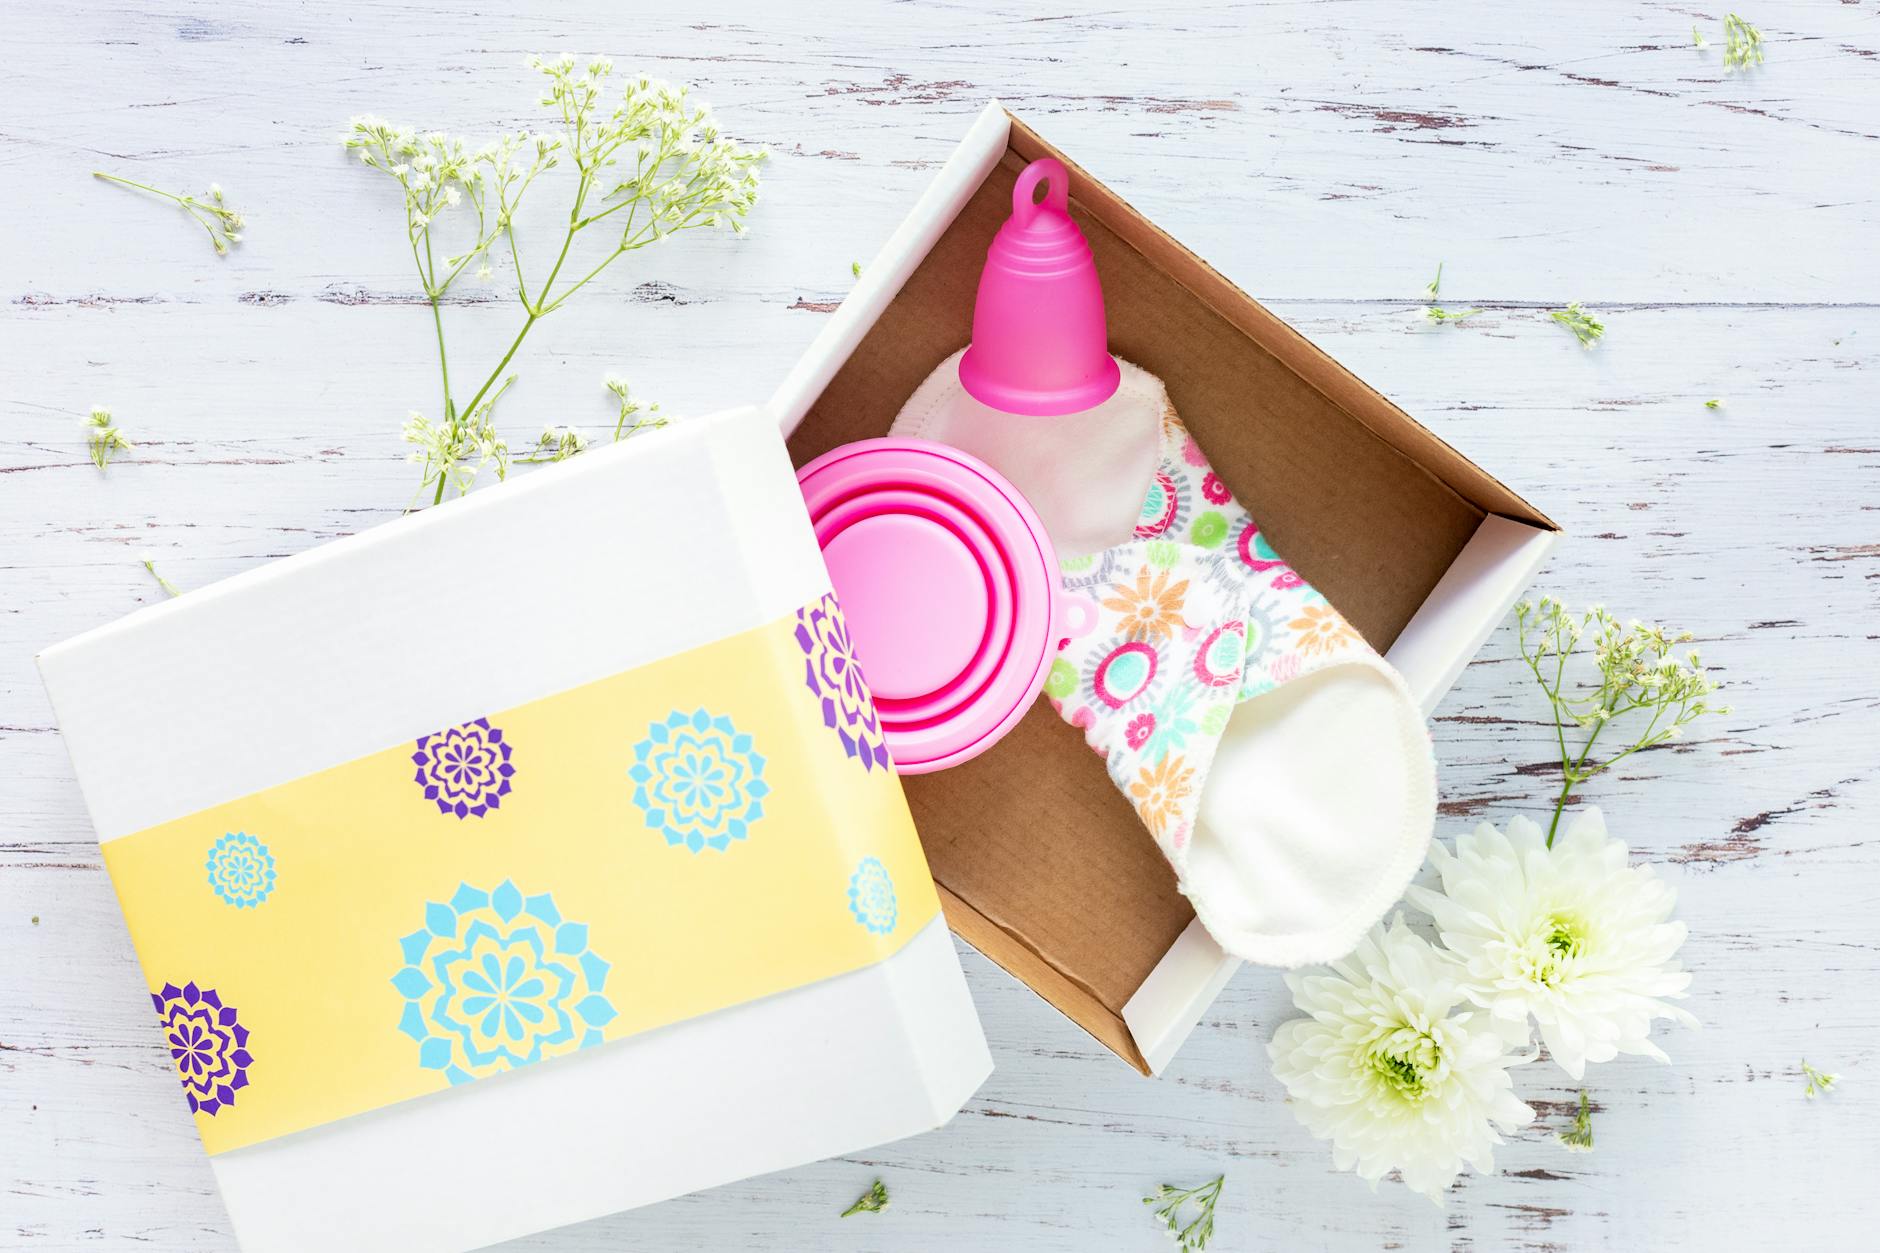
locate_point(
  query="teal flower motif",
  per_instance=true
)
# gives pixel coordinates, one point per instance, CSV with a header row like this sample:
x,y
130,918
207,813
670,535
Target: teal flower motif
x,y
1174,721
241,870
698,781
496,980
871,897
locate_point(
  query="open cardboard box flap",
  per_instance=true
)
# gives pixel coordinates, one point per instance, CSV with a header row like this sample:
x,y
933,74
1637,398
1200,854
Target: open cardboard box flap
x,y
1043,866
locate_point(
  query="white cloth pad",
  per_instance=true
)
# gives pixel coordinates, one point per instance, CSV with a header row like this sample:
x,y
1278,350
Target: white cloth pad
x,y
1280,764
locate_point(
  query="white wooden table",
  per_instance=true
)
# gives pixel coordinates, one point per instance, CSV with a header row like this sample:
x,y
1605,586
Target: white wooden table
x,y
1324,155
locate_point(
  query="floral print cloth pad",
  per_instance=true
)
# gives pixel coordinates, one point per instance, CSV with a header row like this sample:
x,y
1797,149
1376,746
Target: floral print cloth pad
x,y
1194,616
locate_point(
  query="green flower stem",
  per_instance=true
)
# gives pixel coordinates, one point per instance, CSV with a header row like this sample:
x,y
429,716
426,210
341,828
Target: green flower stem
x,y
443,364
168,587
535,307
632,243
1560,730
207,214
1571,777
583,281
514,344
427,270
187,202
128,182
437,316
515,256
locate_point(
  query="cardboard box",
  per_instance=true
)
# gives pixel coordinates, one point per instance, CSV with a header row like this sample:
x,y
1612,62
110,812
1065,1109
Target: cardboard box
x,y
545,585
1042,865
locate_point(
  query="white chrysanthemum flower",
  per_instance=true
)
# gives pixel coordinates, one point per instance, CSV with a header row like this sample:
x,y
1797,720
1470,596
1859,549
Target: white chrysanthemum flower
x,y
1385,1070
1572,935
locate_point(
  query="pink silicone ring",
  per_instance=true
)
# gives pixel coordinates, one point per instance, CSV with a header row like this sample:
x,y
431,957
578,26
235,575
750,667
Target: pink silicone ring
x,y
937,656
949,586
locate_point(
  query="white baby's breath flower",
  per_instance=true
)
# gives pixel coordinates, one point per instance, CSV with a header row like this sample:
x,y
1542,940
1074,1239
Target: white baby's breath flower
x,y
658,162
1386,1069
1820,1082
558,443
1571,935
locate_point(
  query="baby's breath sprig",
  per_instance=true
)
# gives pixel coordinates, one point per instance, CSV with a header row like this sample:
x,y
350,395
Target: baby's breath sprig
x,y
1585,327
1820,1083
102,438
211,213
1168,1201
556,443
1742,43
1579,1137
150,564
1435,312
630,423
1639,671
872,1201
658,160
455,453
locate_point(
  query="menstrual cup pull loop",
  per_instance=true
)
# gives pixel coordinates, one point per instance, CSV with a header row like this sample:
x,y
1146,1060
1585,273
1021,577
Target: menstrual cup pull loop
x,y
1057,195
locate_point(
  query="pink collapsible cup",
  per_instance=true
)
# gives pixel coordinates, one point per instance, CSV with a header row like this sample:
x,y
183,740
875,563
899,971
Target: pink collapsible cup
x,y
1040,342
949,586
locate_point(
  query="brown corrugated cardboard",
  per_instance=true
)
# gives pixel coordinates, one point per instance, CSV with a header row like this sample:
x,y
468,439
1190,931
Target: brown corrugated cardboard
x,y
1043,866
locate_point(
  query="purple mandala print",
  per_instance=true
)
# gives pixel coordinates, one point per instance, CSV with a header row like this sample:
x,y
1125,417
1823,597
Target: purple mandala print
x,y
464,769
834,677
207,1045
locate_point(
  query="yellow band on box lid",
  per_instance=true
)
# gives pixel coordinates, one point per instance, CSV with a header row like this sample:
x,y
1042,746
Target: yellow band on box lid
x,y
714,827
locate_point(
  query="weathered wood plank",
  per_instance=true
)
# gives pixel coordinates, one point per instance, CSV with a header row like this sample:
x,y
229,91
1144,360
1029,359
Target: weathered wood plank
x,y
1325,156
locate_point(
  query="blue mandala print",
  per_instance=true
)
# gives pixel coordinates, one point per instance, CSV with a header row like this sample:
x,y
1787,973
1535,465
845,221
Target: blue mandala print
x,y
699,783
871,896
241,870
496,980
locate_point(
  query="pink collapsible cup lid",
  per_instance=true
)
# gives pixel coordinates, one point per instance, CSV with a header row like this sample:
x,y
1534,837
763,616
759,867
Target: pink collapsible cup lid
x,y
949,586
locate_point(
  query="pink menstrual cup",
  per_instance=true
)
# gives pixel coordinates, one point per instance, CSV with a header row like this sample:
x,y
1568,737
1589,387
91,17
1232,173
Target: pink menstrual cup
x,y
949,586
1040,344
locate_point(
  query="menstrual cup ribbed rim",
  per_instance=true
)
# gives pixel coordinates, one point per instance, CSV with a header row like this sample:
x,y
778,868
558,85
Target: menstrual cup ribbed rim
x,y
1046,402
994,522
